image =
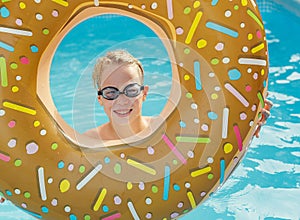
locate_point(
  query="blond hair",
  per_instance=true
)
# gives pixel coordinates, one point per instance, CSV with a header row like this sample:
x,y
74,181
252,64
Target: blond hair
x,y
115,57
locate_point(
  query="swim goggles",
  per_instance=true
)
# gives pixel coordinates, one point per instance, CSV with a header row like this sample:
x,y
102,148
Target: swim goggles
x,y
112,93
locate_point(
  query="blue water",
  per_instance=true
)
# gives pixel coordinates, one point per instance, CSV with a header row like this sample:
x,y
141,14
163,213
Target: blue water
x,y
266,185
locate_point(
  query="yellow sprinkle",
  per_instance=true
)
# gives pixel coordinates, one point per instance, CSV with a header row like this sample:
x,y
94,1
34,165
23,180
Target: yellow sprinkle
x,y
262,72
36,123
64,185
200,171
201,43
244,2
258,48
141,167
129,185
193,27
186,77
196,4
191,199
100,200
19,108
61,2
227,148
15,89
214,96
250,36
22,5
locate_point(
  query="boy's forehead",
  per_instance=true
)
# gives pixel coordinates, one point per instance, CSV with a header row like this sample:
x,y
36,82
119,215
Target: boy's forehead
x,y
120,73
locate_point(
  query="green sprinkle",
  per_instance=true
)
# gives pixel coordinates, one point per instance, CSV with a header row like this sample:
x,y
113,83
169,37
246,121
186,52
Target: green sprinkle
x,y
81,169
154,189
27,195
54,146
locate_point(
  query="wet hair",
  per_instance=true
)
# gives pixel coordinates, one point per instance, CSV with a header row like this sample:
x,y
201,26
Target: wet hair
x,y
115,57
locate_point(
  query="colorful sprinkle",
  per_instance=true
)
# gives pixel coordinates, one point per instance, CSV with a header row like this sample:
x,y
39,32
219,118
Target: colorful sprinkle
x,y
234,74
6,47
100,199
222,171
18,162
42,186
227,148
19,108
212,115
222,29
64,185
132,210
174,149
199,140
257,48
117,168
200,171
88,178
61,2
4,157
141,166
32,148
166,183
238,137
237,94
252,61
193,28
15,31
225,122
170,9
112,217
191,199
255,18
3,72
197,75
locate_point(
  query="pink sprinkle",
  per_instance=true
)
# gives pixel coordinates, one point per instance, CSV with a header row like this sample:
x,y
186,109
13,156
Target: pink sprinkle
x,y
258,34
55,13
24,60
112,217
12,124
238,137
173,148
248,88
4,157
243,116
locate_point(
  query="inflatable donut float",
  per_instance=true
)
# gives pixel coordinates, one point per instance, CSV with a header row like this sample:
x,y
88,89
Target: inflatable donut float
x,y
220,74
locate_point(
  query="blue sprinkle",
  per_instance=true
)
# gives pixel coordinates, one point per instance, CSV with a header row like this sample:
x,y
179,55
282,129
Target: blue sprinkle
x,y
105,208
265,83
212,116
234,74
222,29
106,160
61,165
214,2
4,12
9,193
72,217
45,209
182,124
34,49
6,47
176,187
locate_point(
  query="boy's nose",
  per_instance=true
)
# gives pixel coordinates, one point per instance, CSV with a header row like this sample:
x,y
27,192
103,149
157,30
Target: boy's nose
x,y
122,99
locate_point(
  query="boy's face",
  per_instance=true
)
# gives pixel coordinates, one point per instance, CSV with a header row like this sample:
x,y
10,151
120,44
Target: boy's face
x,y
122,110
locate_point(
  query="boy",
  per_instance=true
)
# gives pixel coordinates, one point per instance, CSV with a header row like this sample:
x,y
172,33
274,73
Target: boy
x,y
119,78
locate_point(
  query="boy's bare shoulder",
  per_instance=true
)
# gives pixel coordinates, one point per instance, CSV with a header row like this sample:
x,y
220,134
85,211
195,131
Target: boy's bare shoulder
x,y
93,133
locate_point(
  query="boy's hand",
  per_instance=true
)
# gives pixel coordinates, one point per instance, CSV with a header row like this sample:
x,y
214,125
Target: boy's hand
x,y
265,115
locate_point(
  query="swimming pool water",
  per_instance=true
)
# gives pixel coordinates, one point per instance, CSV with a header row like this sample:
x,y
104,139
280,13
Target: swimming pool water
x,y
266,185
